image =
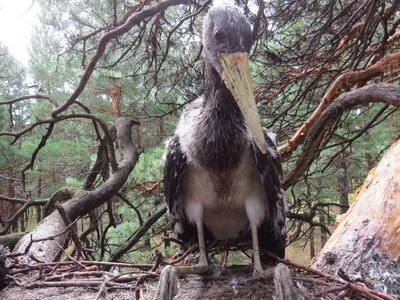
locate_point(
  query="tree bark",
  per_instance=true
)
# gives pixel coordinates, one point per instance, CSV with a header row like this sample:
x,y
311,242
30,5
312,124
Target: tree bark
x,y
10,240
51,231
367,239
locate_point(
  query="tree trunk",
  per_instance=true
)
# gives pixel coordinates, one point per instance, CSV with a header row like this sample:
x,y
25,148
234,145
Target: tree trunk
x,y
10,240
312,243
50,233
39,194
343,186
322,219
367,239
368,156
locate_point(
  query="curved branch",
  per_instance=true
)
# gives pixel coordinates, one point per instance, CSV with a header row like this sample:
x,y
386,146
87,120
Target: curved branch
x,y
23,201
105,39
83,201
343,82
380,92
26,97
122,249
60,118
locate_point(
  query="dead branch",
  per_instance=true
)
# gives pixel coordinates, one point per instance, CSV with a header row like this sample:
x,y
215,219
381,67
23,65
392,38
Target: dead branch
x,y
84,201
343,82
380,92
122,249
67,221
133,20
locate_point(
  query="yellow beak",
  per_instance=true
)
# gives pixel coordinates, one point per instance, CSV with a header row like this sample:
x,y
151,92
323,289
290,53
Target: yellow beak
x,y
236,73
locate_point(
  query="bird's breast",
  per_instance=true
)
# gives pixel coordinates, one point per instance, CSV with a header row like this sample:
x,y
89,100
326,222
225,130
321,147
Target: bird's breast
x,y
219,199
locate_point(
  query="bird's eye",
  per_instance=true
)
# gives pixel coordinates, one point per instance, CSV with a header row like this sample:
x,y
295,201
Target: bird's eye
x,y
219,35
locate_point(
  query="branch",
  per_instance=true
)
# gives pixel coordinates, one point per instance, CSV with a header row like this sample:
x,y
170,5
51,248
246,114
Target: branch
x,y
15,100
23,201
105,39
85,201
121,250
380,92
343,82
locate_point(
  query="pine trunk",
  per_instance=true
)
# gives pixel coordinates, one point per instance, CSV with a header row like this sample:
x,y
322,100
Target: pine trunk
x,y
366,241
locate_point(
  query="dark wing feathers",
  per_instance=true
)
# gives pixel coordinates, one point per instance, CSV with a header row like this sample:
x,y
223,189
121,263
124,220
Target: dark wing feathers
x,y
272,230
175,165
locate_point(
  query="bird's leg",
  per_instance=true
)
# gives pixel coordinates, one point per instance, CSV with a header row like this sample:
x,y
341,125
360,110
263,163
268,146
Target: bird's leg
x,y
202,266
258,269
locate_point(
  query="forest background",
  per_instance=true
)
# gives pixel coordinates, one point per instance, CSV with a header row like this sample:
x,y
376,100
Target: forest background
x,y
92,62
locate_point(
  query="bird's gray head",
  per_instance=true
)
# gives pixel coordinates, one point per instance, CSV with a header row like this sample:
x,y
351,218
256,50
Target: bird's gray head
x,y
225,30
227,42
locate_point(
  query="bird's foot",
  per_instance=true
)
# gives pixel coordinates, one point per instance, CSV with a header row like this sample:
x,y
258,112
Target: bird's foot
x,y
168,285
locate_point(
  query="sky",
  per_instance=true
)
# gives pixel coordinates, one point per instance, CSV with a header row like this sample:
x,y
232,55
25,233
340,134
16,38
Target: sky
x,y
16,19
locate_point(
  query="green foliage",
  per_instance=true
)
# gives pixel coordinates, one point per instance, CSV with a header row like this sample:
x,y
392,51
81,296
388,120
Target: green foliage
x,y
158,67
76,183
150,165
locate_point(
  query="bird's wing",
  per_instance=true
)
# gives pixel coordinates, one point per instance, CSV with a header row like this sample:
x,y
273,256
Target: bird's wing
x,y
272,231
175,165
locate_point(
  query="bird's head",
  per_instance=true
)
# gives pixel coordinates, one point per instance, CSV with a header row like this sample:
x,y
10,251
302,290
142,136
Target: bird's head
x,y
227,41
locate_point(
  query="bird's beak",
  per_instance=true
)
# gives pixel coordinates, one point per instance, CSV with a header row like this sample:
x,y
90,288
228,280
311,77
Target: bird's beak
x,y
236,73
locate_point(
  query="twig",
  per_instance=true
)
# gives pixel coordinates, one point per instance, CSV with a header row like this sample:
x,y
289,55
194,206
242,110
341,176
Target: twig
x,y
332,290
74,234
172,239
188,251
102,291
159,260
78,283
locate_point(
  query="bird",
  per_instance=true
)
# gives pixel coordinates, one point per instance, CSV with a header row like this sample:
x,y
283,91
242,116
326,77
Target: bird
x,y
222,172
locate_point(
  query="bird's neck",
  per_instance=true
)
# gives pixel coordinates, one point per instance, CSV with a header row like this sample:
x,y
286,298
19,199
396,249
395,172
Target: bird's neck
x,y
218,98
223,135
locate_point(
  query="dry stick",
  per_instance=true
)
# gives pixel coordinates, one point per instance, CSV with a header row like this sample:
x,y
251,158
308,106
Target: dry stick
x,y
122,249
75,238
70,257
121,276
188,251
16,215
373,93
332,290
152,187
26,97
77,283
172,239
123,198
57,265
159,260
77,274
103,290
100,263
366,291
